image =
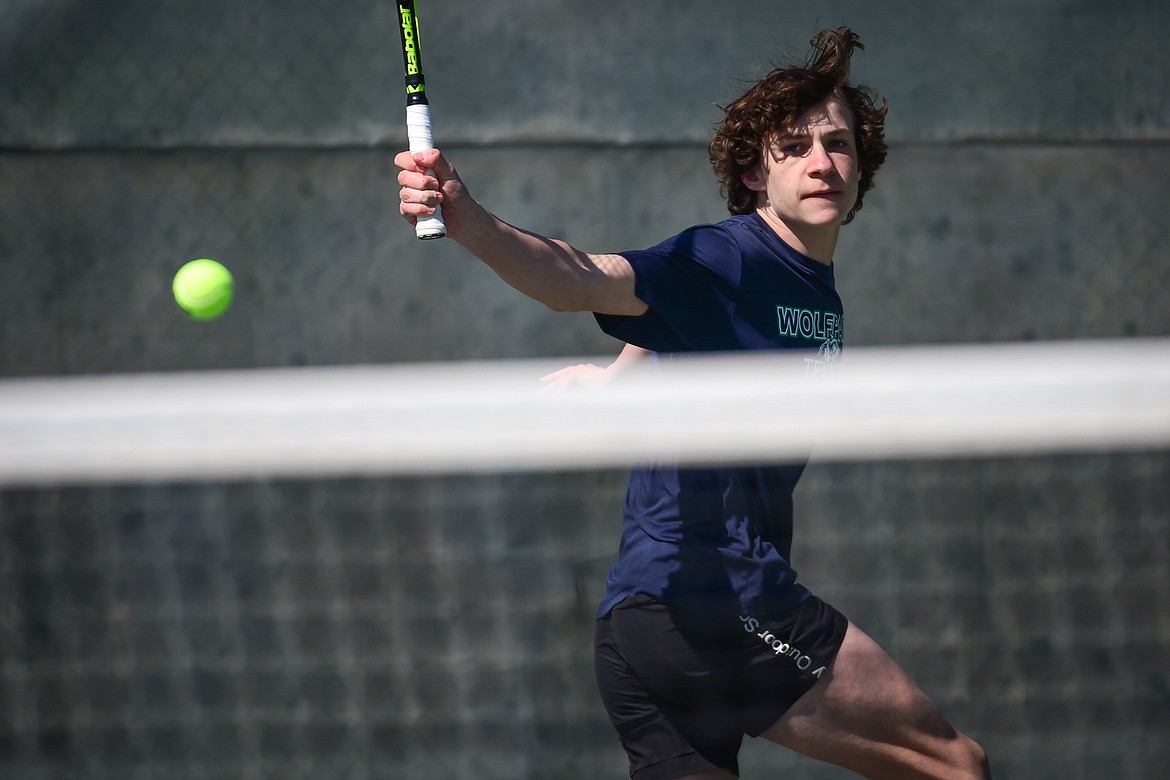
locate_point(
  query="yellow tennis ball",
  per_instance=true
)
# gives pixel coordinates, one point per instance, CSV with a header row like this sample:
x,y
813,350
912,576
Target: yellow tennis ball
x,y
203,288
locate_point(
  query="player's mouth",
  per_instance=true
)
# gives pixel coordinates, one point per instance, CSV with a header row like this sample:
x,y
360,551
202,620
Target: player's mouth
x,y
823,195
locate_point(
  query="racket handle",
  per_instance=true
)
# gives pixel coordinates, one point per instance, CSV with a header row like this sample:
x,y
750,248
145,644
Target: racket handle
x,y
418,133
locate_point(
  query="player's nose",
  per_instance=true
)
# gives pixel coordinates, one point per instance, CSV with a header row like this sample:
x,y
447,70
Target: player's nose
x,y
818,158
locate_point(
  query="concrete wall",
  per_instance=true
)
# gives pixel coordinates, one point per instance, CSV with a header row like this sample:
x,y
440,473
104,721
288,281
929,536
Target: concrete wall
x,y
440,627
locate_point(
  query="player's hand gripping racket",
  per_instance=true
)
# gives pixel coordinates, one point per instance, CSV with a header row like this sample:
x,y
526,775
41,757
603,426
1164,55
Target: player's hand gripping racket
x,y
418,109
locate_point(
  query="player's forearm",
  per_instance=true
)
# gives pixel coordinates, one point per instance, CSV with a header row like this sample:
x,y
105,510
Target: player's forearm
x,y
549,270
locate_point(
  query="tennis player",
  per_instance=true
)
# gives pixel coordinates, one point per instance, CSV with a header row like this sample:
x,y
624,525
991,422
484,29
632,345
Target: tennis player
x,y
704,633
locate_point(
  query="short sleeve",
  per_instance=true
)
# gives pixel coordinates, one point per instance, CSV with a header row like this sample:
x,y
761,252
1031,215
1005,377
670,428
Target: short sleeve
x,y
689,283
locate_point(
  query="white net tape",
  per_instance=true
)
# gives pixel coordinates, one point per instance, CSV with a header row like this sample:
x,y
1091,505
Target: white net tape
x,y
458,417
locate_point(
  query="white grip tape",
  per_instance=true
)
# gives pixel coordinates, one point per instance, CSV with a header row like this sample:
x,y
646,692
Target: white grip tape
x,y
418,134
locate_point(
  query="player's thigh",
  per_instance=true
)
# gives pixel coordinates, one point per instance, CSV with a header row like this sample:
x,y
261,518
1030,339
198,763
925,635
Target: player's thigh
x,y
869,716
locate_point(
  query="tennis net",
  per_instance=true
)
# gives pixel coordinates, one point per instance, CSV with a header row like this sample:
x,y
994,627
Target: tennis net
x,y
1006,399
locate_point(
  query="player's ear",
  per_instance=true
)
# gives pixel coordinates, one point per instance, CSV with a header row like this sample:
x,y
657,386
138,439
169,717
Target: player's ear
x,y
755,178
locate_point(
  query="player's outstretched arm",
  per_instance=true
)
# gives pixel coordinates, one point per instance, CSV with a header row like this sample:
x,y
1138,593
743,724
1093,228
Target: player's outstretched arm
x,y
551,271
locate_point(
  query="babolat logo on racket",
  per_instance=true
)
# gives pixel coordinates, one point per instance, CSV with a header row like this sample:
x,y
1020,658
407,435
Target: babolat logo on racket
x,y
416,89
409,43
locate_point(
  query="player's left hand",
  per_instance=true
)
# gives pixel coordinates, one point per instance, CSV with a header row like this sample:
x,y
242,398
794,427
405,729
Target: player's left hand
x,y
585,375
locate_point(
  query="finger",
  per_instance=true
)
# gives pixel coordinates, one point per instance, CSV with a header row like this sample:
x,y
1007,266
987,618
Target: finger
x,y
547,378
426,158
434,160
562,373
556,385
425,197
417,181
405,161
408,209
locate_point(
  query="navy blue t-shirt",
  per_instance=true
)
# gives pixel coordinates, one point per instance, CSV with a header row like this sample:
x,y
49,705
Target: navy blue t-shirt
x,y
720,539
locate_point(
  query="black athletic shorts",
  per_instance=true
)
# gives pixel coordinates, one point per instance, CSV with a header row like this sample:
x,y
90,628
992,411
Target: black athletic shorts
x,y
682,688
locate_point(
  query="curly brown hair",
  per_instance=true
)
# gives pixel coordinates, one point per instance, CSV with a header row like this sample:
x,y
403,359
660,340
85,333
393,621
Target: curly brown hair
x,y
782,96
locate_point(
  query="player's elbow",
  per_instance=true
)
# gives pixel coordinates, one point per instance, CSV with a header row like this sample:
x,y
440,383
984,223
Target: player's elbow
x,y
599,303
571,299
577,292
561,307
595,291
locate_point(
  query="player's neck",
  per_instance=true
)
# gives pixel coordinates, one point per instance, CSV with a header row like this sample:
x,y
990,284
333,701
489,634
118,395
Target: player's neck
x,y
816,241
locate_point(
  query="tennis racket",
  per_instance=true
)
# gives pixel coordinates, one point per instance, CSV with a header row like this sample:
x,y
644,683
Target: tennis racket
x,y
418,108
